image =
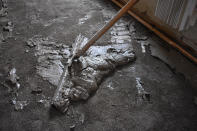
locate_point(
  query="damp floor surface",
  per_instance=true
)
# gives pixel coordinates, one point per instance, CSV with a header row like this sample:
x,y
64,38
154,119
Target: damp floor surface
x,y
169,80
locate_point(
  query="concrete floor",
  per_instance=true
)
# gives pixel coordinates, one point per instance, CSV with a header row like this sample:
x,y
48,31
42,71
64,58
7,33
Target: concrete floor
x,y
117,105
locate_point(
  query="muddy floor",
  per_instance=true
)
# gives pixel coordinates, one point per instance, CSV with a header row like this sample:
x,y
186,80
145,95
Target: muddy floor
x,y
157,91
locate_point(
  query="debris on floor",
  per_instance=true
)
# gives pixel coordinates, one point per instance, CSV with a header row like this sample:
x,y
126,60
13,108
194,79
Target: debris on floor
x,y
142,94
144,44
13,77
46,101
120,33
9,27
27,51
49,54
88,71
19,105
13,86
50,68
141,38
110,85
31,43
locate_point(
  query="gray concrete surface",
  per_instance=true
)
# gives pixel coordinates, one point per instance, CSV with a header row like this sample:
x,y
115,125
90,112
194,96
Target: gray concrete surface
x,y
145,95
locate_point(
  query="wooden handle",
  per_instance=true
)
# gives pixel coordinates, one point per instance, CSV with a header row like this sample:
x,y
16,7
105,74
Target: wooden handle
x,y
123,11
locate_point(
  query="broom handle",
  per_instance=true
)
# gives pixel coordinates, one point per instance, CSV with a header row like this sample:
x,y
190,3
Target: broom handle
x,y
123,11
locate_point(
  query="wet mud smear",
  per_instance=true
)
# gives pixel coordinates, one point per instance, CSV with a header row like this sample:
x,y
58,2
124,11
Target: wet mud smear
x,y
49,54
87,71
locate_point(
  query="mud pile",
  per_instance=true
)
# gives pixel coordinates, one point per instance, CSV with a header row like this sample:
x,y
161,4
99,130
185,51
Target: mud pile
x,y
88,71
